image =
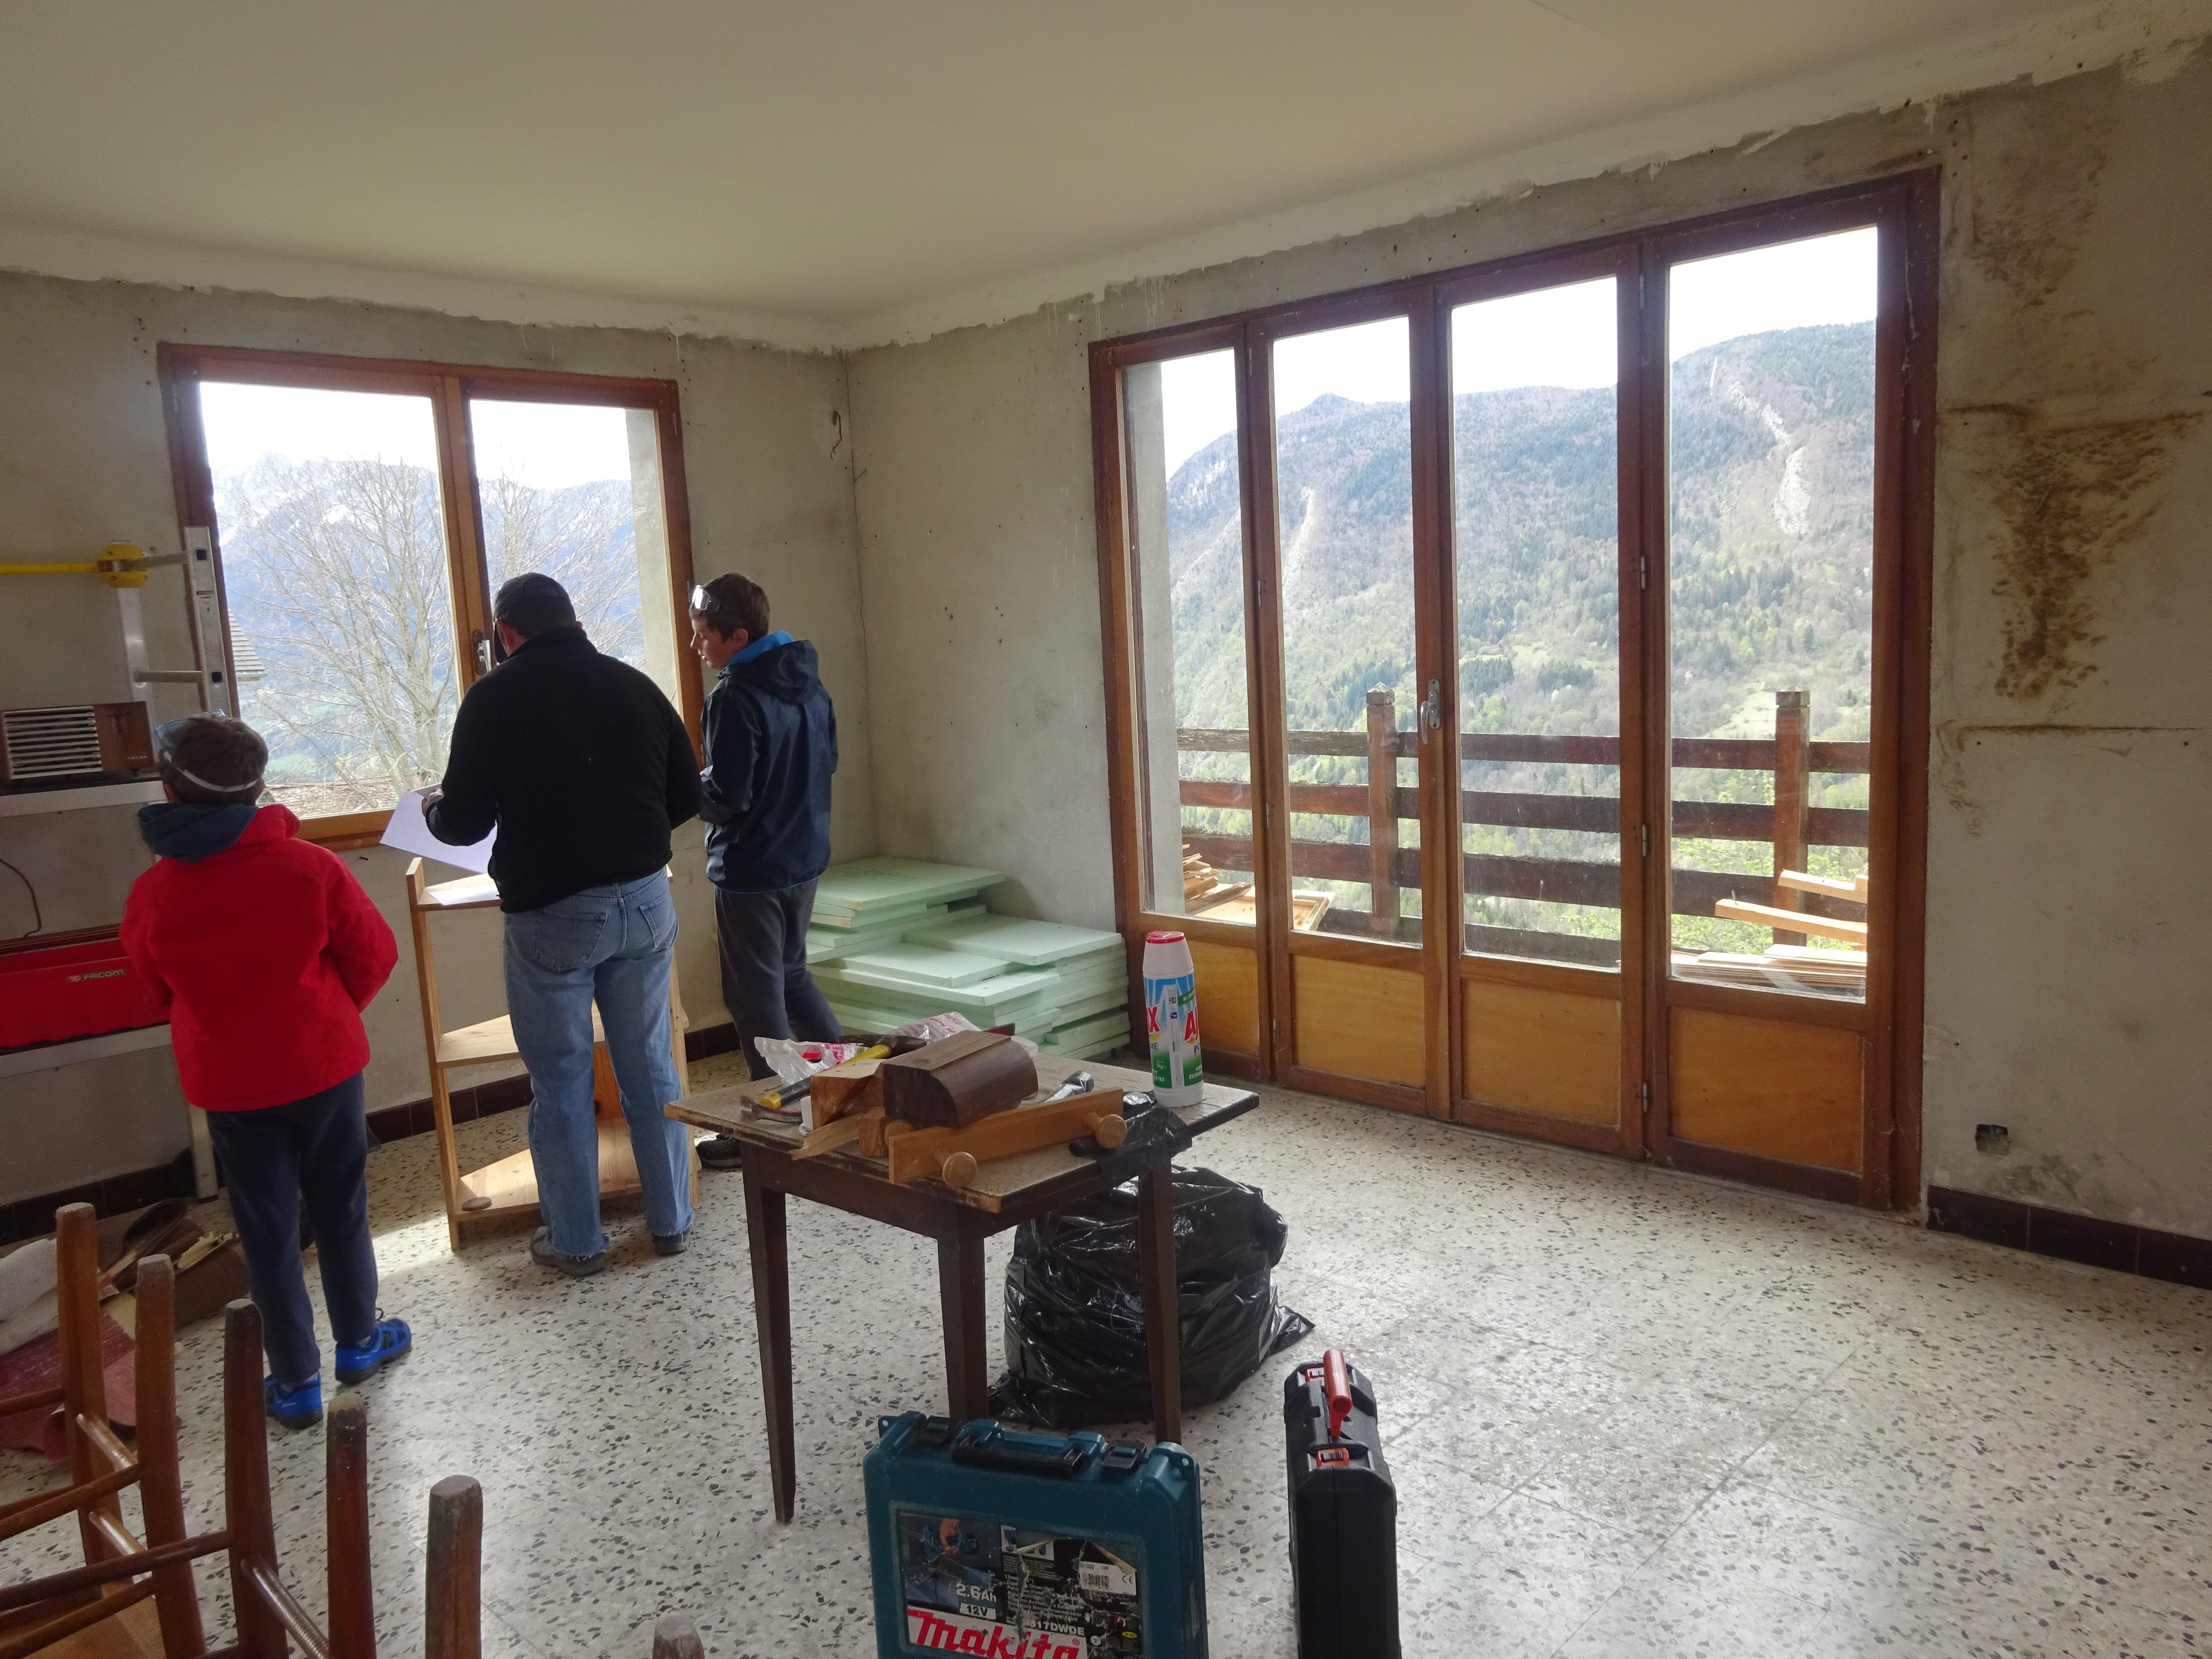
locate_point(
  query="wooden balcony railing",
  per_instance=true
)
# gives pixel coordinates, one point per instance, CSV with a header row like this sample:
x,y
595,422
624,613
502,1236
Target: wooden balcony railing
x,y
1790,825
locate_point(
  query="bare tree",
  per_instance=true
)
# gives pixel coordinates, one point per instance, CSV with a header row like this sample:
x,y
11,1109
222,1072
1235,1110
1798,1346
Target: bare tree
x,y
336,572
583,538
337,578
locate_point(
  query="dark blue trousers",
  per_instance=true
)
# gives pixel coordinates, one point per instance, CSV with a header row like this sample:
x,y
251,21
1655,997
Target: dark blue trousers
x,y
765,985
312,1153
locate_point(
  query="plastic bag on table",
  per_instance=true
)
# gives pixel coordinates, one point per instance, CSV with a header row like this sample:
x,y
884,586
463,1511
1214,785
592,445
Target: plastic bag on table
x,y
1075,1311
930,1030
791,1059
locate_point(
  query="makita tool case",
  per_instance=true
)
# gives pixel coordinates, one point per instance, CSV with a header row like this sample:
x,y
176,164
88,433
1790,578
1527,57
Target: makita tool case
x,y
1032,1545
1344,1514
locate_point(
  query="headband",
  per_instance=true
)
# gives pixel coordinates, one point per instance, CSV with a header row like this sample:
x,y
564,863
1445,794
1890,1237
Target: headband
x,y
165,747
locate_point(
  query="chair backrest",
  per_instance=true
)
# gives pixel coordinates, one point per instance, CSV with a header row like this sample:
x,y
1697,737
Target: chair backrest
x,y
120,1572
44,1610
267,1612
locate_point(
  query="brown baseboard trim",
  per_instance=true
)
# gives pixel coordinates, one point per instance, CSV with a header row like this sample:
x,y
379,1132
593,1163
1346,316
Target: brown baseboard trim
x,y
709,1041
33,1218
414,1118
2177,1258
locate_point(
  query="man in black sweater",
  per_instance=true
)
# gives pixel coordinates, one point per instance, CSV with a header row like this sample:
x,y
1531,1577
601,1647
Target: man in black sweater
x,y
585,767
771,737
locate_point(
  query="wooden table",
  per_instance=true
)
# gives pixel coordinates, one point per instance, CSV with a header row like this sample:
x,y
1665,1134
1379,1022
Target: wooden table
x,y
1005,1193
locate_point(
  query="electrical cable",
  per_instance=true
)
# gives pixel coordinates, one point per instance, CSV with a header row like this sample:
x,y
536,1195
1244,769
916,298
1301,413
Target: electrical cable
x,y
37,916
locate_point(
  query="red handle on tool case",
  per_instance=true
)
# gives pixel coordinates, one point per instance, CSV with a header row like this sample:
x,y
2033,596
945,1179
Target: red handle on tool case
x,y
1336,1386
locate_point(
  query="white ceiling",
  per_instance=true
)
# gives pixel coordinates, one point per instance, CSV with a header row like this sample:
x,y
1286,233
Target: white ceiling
x,y
829,160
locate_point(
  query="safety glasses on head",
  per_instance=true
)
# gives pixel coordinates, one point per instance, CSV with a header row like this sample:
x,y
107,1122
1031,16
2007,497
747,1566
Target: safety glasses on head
x,y
165,737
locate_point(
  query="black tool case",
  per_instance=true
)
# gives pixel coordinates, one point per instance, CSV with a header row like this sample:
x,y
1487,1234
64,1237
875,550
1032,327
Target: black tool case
x,y
1344,1514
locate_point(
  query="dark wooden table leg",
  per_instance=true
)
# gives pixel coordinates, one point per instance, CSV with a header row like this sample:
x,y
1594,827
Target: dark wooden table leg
x,y
1155,1267
772,1317
960,1288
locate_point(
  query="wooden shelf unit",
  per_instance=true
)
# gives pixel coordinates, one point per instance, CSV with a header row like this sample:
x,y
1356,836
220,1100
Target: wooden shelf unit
x,y
504,1192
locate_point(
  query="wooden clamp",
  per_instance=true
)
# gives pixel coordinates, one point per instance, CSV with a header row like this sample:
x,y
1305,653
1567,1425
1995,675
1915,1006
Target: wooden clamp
x,y
952,1155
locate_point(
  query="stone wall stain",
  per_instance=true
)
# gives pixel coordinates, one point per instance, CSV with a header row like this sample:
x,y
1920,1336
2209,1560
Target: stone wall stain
x,y
2071,496
2031,204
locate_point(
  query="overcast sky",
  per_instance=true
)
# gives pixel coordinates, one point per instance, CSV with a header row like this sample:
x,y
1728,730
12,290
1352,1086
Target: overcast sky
x,y
1563,337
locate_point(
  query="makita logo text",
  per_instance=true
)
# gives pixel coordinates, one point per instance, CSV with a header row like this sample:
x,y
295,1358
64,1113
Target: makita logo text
x,y
945,1634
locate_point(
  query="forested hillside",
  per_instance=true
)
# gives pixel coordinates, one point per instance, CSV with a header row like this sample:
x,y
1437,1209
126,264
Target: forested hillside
x,y
1771,505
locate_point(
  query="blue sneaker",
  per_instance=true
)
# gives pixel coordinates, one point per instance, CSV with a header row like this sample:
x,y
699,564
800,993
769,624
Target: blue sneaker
x,y
390,1340
295,1408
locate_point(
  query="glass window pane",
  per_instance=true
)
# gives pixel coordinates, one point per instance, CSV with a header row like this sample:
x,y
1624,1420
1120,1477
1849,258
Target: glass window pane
x,y
1536,490
574,491
1344,528
1187,528
1770,551
341,610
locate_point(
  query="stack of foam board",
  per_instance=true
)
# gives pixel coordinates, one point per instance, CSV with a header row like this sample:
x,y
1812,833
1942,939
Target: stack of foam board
x,y
872,892
895,941
1088,1014
872,901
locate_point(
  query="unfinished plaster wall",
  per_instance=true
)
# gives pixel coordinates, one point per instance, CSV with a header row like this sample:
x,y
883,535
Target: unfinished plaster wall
x,y
84,460
2069,911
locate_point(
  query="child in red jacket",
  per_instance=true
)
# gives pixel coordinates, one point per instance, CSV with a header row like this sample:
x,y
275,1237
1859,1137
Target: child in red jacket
x,y
262,950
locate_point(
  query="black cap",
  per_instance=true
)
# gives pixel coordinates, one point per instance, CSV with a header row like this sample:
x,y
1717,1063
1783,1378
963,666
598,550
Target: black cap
x,y
532,603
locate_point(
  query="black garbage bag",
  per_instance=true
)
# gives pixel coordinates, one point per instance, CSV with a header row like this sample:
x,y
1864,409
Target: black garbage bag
x,y
1075,1311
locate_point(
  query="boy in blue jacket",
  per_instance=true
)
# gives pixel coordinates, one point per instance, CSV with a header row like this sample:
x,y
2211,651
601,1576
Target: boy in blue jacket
x,y
771,737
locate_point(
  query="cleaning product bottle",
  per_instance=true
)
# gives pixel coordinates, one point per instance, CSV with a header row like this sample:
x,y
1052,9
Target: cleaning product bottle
x,y
1172,1019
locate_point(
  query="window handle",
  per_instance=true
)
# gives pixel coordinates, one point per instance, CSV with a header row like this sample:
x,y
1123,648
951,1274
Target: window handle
x,y
484,652
1432,709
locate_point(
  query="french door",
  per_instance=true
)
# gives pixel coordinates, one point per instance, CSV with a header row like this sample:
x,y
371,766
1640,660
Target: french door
x,y
1517,682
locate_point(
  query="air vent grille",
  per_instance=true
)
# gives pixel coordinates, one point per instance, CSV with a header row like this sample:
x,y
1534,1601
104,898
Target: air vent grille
x,y
50,743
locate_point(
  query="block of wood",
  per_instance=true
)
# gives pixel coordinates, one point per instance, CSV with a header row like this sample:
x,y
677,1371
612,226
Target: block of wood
x,y
845,1090
957,1080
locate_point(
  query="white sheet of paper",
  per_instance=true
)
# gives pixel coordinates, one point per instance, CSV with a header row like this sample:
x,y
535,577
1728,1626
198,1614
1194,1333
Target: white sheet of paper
x,y
409,833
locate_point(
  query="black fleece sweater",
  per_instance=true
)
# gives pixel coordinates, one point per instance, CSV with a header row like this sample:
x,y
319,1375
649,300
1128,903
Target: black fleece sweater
x,y
581,762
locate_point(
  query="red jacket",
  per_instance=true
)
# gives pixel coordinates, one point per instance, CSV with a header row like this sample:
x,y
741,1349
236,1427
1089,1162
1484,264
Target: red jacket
x,y
262,958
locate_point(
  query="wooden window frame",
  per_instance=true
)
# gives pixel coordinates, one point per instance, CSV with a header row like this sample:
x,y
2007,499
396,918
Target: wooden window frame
x,y
1905,207
183,369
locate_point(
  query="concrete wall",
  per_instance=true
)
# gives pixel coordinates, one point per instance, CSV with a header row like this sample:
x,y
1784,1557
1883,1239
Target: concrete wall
x,y
83,461
2069,917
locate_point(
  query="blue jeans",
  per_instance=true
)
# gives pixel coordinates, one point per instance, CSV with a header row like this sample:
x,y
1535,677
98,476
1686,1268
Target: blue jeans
x,y
611,945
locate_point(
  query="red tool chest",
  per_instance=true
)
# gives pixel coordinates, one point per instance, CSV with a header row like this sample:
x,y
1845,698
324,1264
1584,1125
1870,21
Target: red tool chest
x,y
77,986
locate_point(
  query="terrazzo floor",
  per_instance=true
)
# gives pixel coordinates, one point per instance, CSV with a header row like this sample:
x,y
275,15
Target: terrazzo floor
x,y
1630,1413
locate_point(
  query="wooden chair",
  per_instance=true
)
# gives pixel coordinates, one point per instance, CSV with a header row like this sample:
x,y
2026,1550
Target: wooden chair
x,y
120,1570
506,1190
452,1581
124,1571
